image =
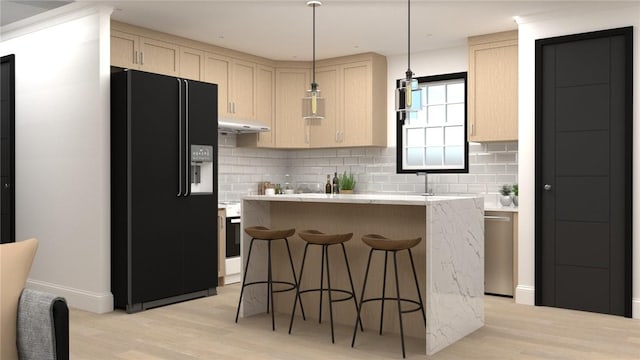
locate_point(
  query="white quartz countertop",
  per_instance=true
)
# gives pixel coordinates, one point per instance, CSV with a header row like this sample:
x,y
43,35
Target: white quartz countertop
x,y
389,199
500,208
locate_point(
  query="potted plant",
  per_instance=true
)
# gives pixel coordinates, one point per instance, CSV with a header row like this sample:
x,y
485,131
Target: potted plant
x,y
347,183
515,194
505,192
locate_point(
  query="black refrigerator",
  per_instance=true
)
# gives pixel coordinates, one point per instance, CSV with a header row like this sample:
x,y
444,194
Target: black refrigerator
x,y
164,240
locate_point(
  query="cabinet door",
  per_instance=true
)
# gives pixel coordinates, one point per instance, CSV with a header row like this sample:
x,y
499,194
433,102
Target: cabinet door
x,y
356,112
217,70
324,133
124,50
265,101
191,63
222,242
292,129
159,57
493,91
243,83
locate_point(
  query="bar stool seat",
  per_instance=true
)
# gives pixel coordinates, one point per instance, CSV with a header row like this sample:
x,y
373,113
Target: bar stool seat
x,y
315,237
263,233
269,235
380,243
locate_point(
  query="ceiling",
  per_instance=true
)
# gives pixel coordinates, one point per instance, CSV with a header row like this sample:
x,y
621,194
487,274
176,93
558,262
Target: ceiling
x,y
282,30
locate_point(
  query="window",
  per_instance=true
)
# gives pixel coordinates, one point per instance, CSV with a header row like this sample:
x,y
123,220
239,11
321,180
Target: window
x,y
434,139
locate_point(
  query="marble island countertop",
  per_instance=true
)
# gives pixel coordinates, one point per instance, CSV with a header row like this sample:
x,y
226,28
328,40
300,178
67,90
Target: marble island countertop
x,y
389,199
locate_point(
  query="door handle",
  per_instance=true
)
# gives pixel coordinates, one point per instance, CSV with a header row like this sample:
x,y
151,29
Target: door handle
x,y
547,187
179,138
187,146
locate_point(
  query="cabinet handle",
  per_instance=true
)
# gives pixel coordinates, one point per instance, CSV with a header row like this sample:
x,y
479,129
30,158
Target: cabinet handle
x,y
337,136
141,58
234,107
341,136
473,128
135,57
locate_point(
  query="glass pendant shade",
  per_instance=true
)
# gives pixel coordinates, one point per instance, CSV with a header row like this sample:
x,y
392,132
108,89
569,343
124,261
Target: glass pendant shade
x,y
313,104
408,96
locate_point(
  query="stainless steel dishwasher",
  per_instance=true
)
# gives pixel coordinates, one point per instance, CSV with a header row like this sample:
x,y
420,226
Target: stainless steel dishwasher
x,y
498,253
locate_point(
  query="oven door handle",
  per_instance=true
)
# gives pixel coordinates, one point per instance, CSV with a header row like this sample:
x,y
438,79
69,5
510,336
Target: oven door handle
x,y
234,221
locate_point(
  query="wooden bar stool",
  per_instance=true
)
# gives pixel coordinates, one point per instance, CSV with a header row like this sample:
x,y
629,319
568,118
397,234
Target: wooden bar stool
x,y
315,237
269,235
381,243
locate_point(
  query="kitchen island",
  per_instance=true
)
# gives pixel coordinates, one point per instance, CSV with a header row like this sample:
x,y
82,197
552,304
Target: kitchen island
x,y
449,260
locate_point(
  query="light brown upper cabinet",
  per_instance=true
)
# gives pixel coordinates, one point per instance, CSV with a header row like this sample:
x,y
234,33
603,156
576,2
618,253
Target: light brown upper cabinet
x,y
191,63
492,102
138,52
325,132
236,81
355,91
265,109
291,130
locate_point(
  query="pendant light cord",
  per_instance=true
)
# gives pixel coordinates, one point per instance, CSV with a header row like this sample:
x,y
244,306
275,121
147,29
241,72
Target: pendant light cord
x,y
409,72
314,44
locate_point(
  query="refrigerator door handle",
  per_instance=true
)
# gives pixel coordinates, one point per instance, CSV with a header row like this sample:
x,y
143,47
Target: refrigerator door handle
x,y
179,138
187,144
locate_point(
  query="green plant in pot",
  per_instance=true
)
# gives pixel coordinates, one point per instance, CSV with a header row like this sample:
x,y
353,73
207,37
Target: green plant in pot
x,y
515,194
505,195
347,183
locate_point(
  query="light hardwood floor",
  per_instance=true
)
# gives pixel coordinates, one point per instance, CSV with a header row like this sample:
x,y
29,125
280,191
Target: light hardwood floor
x,y
205,329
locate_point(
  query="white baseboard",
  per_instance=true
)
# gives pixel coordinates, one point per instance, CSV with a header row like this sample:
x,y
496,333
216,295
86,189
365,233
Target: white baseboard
x,y
525,295
635,308
76,298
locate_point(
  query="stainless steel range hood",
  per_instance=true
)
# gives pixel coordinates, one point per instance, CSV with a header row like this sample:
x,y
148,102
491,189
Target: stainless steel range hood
x,y
239,126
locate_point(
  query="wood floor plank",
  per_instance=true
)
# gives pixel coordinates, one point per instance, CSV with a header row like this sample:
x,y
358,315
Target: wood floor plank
x,y
205,329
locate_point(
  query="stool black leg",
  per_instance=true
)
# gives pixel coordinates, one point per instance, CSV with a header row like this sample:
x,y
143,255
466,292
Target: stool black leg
x,y
395,265
364,286
295,280
326,250
304,257
244,279
415,277
353,290
270,294
384,286
321,286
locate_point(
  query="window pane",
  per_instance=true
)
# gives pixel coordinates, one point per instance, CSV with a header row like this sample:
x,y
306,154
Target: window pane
x,y
455,113
435,114
434,156
435,94
453,155
435,136
453,135
415,137
455,93
415,156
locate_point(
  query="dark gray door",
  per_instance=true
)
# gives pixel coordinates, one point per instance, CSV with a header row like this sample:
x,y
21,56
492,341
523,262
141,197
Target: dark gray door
x,y
7,157
583,171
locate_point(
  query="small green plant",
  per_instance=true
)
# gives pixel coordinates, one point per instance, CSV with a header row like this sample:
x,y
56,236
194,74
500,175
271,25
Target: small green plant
x,y
515,189
347,182
505,190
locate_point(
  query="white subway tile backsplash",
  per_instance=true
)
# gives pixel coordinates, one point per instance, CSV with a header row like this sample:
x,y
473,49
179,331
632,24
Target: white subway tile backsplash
x,y
240,169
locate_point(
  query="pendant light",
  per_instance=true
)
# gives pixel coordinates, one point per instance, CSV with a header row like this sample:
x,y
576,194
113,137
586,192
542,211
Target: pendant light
x,y
408,93
312,102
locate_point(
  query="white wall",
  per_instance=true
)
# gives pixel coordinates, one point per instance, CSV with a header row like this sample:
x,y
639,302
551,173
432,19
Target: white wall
x,y
595,17
426,63
62,150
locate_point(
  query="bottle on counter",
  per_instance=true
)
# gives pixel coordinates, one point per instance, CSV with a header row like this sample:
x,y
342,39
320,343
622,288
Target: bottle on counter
x,y
336,183
278,189
327,187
